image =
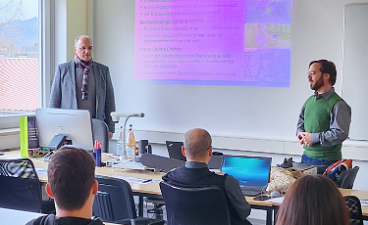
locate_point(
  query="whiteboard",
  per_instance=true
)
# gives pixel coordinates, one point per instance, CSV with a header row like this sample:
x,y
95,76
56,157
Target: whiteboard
x,y
257,113
355,68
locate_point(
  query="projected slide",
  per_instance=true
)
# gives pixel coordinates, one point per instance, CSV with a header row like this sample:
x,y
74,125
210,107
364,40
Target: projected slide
x,y
213,42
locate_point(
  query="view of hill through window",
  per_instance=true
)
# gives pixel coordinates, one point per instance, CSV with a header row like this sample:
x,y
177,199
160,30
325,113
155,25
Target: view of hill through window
x,y
19,48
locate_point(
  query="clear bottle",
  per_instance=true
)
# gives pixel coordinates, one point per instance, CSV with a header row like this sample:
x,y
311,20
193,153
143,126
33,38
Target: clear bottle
x,y
120,146
131,144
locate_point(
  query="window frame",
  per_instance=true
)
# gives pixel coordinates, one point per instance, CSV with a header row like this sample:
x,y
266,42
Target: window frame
x,y
46,55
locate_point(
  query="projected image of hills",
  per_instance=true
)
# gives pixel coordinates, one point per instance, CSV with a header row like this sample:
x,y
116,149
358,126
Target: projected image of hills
x,y
240,43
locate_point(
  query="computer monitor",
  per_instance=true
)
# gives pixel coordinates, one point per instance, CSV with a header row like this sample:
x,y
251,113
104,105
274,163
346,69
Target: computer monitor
x,y
174,149
74,124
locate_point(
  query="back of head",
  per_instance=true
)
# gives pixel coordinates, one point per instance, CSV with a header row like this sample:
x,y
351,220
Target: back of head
x,y
71,174
196,143
313,200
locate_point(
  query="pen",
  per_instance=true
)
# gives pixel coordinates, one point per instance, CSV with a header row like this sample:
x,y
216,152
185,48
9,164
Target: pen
x,y
148,180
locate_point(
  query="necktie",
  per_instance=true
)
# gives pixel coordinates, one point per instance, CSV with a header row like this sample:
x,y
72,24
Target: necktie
x,y
85,66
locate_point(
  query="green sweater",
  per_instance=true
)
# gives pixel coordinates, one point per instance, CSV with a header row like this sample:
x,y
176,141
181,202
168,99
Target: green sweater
x,y
317,117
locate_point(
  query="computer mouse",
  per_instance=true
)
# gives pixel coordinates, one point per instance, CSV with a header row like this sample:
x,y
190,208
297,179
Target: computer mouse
x,y
275,194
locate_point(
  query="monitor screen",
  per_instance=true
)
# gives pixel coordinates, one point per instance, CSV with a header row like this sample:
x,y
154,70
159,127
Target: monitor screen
x,y
249,171
75,124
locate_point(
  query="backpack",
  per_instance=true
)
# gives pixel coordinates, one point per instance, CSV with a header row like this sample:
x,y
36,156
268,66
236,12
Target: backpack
x,y
334,170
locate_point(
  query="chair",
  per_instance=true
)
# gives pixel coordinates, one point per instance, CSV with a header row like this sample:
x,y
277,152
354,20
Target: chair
x,y
355,210
20,187
195,206
347,178
114,203
101,133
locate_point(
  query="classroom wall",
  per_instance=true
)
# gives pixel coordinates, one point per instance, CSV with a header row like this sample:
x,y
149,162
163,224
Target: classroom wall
x,y
76,23
71,20
258,119
356,67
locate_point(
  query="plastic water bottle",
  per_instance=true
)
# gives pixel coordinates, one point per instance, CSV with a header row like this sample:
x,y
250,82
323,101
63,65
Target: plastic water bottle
x,y
130,149
120,146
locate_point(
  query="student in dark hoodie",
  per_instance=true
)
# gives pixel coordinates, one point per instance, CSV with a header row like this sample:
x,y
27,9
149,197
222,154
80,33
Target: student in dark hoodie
x,y
72,185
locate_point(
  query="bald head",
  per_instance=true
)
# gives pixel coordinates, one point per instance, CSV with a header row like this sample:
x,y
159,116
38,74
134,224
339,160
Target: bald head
x,y
197,143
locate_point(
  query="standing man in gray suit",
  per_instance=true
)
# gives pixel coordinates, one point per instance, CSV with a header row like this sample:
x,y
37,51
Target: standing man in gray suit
x,y
84,84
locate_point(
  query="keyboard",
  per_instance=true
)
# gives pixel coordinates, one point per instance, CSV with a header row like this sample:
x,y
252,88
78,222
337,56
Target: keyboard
x,y
250,191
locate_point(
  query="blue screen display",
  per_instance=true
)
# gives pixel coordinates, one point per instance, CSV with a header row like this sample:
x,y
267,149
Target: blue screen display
x,y
247,170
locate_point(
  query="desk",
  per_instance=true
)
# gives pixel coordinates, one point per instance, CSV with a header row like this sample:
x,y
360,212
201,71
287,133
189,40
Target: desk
x,y
13,216
154,189
360,195
151,188
139,190
345,192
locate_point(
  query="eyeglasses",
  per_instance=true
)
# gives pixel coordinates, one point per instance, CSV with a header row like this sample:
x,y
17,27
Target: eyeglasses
x,y
311,73
82,48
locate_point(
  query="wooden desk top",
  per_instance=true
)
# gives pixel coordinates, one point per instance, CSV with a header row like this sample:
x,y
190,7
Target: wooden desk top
x,y
150,188
359,194
344,192
153,188
13,216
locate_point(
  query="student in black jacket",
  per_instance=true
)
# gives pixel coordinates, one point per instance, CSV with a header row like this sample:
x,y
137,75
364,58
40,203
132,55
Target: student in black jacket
x,y
72,184
198,151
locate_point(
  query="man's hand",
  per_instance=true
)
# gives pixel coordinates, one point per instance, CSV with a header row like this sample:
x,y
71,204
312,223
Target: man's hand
x,y
110,135
307,139
300,137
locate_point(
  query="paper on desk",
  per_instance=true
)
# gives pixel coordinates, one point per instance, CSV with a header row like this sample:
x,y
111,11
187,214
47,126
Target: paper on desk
x,y
41,171
135,180
276,200
364,202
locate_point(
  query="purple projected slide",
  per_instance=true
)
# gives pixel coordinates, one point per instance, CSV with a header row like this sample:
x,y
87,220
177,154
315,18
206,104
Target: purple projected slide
x,y
213,42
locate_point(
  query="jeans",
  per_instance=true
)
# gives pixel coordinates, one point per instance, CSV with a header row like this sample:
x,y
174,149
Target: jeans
x,y
317,162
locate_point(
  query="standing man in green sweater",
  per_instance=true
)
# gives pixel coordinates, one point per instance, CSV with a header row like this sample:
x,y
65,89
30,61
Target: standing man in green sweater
x,y
325,117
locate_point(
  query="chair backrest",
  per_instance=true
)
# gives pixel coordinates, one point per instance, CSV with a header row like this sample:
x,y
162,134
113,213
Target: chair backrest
x,y
114,200
101,133
347,178
355,210
195,206
20,187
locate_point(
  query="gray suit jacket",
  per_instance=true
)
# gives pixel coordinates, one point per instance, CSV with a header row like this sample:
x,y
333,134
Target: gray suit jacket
x,y
63,91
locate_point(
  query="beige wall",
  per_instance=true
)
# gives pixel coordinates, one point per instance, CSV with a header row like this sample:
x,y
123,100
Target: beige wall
x,y
70,22
76,23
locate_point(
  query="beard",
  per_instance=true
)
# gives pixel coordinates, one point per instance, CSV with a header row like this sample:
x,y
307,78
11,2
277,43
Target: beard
x,y
318,84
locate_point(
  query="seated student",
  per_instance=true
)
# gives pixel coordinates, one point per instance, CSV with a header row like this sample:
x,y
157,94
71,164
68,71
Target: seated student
x,y
198,151
313,200
72,184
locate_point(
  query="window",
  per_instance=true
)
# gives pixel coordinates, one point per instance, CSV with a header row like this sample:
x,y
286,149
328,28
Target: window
x,y
19,56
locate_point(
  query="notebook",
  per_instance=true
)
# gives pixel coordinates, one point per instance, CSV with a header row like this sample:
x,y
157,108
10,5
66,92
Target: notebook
x,y
252,173
174,149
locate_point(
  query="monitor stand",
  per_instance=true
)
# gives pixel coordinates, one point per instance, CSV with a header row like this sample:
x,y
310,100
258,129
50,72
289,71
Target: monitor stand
x,y
46,157
57,142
